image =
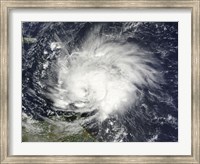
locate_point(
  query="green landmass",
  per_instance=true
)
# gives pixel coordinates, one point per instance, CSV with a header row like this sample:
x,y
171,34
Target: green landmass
x,y
46,132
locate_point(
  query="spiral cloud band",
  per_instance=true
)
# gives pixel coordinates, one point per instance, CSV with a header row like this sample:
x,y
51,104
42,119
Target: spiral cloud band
x,y
104,75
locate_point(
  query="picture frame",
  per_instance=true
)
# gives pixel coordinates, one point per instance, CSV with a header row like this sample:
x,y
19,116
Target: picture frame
x,y
7,6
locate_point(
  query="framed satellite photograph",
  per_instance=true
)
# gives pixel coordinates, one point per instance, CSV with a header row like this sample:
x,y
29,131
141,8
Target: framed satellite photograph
x,y
99,81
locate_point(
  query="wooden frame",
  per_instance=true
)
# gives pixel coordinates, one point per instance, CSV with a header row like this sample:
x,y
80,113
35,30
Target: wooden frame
x,y
7,5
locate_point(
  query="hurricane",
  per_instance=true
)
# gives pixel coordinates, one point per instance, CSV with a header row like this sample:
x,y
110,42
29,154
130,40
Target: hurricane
x,y
103,83
105,75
